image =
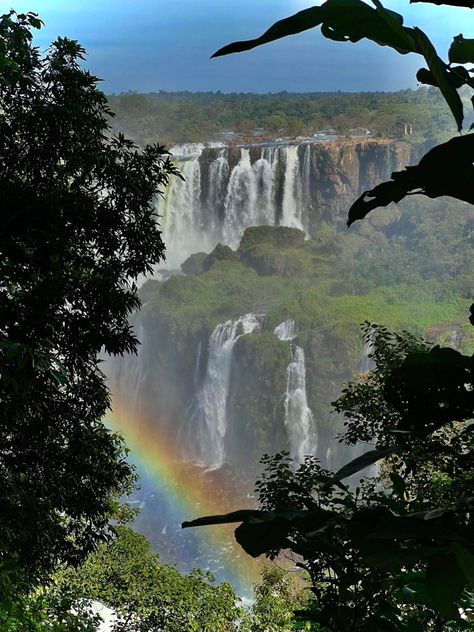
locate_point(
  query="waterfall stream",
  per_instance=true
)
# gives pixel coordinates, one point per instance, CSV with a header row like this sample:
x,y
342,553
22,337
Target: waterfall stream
x,y
208,422
299,420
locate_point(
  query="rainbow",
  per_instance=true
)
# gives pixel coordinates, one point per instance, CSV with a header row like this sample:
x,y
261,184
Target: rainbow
x,y
188,490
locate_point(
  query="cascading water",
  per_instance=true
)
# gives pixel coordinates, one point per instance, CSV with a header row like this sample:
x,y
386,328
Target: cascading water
x,y
208,422
220,198
299,420
367,363
180,208
291,211
241,200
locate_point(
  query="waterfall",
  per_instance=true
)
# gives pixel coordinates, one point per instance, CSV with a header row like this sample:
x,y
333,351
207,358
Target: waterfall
x,y
265,169
291,212
221,197
286,330
241,200
208,418
299,420
181,209
367,363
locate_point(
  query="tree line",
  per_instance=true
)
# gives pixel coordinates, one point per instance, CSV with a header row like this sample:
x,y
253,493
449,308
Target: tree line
x,y
179,117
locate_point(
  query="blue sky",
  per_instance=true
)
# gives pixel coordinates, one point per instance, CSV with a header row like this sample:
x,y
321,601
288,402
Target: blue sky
x,y
149,45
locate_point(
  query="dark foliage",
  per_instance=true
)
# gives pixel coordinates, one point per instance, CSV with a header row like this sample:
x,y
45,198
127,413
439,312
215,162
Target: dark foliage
x,y
375,554
352,20
76,227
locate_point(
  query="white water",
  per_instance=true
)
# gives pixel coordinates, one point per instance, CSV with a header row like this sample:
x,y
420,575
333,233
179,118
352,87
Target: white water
x,y
216,203
292,206
241,200
299,419
367,363
208,422
286,330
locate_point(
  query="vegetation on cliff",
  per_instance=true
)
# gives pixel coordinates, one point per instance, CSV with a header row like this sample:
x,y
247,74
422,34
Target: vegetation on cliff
x,y
183,117
407,276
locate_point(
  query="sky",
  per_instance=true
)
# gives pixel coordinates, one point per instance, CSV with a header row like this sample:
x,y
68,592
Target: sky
x,y
151,45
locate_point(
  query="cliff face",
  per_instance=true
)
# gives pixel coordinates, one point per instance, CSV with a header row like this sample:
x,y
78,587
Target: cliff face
x,y
335,172
340,172
228,189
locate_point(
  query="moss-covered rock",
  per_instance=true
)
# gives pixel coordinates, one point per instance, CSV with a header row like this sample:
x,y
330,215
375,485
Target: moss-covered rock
x,y
195,264
220,253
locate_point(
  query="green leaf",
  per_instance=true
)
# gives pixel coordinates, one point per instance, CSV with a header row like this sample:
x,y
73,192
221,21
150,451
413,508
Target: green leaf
x,y
445,583
302,21
465,560
439,71
364,461
461,50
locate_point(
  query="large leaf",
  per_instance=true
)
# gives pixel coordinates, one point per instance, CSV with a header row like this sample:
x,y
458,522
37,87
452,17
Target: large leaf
x,y
234,516
353,20
465,560
257,538
447,169
451,3
432,389
461,50
440,73
264,531
363,461
340,20
445,582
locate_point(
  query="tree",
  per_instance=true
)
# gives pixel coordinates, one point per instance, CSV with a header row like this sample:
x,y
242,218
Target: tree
x,y
144,594
77,226
275,601
394,552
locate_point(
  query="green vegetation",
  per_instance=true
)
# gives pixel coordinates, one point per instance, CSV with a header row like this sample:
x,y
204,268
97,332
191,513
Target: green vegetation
x,y
414,274
339,281
394,554
77,225
127,586
183,117
143,593
379,552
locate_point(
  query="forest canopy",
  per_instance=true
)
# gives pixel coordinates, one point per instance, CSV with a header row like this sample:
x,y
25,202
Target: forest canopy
x,y
177,117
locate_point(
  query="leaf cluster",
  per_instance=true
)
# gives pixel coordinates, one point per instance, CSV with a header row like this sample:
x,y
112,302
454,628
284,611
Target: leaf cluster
x,y
77,225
